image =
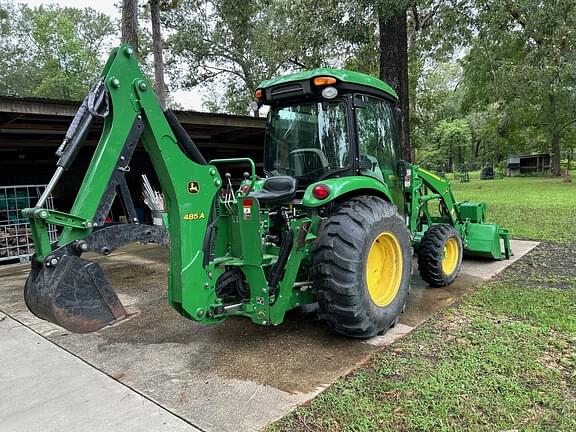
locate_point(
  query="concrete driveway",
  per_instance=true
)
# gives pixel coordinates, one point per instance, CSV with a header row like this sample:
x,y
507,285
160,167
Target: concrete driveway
x,y
159,371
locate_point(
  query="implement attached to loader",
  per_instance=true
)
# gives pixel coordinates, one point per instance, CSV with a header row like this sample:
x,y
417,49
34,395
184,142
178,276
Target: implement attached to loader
x,y
333,221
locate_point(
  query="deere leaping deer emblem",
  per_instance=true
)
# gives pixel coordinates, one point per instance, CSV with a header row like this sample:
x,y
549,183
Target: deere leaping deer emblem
x,y
193,187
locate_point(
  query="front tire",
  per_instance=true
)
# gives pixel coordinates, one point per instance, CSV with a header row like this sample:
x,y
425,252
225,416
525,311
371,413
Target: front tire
x,y
440,255
363,265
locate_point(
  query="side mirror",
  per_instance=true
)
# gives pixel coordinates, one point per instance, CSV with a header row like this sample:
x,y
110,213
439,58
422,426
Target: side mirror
x,y
401,168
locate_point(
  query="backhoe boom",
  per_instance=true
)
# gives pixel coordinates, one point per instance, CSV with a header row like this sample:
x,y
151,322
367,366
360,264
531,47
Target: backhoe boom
x,y
134,115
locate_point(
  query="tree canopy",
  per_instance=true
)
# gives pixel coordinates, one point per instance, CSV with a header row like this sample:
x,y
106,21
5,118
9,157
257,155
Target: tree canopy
x,y
51,51
523,60
486,78
232,46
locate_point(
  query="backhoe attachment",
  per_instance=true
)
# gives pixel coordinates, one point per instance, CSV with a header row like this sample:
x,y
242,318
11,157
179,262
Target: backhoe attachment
x,y
71,291
66,289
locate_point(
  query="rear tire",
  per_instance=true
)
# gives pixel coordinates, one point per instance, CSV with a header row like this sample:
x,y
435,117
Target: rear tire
x,y
440,255
363,265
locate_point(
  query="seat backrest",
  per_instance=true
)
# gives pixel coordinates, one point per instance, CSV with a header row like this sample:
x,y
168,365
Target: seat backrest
x,y
307,160
280,184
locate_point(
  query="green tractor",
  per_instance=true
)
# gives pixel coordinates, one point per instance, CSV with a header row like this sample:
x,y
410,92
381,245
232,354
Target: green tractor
x,y
334,220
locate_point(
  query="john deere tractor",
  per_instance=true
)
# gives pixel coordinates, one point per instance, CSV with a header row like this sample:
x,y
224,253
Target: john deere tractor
x,y
333,220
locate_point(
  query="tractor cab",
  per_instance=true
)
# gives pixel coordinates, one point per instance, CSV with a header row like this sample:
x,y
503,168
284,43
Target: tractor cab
x,y
326,123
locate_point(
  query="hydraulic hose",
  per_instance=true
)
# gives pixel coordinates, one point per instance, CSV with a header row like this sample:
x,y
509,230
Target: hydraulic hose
x,y
80,126
95,104
278,270
184,141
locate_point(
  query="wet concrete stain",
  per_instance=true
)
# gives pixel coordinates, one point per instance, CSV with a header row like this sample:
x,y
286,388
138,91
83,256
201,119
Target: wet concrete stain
x,y
423,301
220,376
296,357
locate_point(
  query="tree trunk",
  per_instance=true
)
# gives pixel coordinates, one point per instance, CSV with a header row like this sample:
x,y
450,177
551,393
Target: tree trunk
x,y
556,152
157,52
394,67
555,135
130,23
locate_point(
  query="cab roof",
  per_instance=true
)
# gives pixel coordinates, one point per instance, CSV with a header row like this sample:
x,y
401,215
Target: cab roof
x,y
342,75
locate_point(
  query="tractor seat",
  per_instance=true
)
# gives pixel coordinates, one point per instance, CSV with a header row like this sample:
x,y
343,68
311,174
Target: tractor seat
x,y
276,190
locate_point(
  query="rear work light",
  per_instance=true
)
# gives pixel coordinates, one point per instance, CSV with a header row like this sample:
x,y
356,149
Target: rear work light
x,y
329,92
321,191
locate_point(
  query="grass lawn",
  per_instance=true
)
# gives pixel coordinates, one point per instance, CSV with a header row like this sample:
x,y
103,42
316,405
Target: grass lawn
x,y
539,208
502,359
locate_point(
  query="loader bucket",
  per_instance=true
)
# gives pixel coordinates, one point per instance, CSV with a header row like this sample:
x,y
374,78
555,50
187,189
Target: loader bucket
x,y
75,294
487,240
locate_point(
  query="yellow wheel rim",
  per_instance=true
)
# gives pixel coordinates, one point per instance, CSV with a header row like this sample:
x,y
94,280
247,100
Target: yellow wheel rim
x,y
384,269
450,256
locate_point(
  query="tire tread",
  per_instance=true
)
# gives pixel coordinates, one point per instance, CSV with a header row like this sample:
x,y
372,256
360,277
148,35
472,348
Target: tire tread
x,y
430,255
336,262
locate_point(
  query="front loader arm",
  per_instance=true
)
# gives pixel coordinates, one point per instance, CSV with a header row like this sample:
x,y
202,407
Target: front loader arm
x,y
478,237
189,187
438,188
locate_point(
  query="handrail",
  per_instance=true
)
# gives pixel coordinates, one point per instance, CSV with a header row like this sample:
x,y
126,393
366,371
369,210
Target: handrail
x,y
234,160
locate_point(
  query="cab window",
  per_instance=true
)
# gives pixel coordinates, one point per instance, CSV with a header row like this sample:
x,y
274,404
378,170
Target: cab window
x,y
308,141
379,143
377,137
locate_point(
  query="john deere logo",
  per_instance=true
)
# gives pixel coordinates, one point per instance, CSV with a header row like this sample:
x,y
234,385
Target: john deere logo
x,y
193,187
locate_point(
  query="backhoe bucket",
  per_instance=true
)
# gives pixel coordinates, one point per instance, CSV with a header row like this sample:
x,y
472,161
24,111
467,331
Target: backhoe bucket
x,y
74,294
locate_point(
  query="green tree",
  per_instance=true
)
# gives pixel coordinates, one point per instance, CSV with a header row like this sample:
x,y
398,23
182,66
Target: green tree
x,y
450,145
523,59
158,48
13,65
129,28
437,96
226,45
230,46
392,25
51,51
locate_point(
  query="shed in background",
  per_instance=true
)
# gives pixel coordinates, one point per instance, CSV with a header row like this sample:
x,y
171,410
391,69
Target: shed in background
x,y
528,164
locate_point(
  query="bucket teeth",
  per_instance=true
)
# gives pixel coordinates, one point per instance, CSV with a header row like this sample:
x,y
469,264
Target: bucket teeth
x,y
75,294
